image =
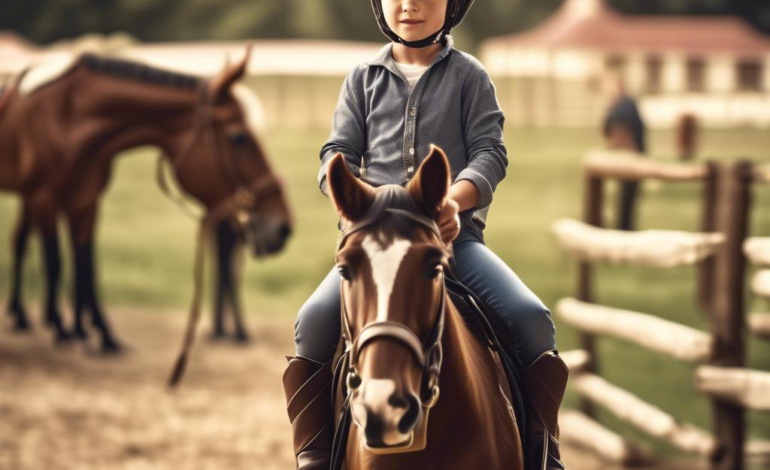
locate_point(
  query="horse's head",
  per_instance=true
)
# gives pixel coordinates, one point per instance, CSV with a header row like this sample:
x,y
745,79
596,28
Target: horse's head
x,y
392,259
218,158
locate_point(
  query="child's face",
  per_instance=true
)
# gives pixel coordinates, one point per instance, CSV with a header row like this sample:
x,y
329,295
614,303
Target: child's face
x,y
414,20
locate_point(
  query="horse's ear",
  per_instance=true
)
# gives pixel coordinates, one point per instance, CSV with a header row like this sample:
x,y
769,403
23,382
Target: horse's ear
x,y
229,75
430,185
351,196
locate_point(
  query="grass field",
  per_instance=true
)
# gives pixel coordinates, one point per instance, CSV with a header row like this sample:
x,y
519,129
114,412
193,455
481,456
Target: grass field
x,y
145,247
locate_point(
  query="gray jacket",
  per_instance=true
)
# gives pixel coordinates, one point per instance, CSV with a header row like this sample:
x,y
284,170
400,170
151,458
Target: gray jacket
x,y
384,130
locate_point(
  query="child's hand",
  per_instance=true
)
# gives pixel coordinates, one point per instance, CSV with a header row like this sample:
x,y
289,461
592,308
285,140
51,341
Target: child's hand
x,y
449,221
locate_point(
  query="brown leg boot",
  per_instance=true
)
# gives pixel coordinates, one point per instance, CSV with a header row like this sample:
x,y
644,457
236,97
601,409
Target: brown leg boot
x,y
309,402
545,382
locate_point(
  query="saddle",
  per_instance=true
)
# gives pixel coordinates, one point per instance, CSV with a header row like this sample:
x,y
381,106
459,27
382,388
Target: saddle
x,y
484,326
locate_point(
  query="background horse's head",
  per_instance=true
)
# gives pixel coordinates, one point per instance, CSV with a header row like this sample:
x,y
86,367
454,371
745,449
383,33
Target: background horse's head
x,y
218,159
392,260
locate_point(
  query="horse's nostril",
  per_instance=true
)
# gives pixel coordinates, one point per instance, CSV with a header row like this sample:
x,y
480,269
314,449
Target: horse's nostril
x,y
285,231
374,429
397,402
412,415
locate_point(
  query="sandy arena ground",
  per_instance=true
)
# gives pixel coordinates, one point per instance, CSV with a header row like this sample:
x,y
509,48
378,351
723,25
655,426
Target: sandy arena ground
x,y
67,408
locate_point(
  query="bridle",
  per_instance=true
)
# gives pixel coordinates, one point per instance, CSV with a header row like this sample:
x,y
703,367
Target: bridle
x,y
248,194
428,352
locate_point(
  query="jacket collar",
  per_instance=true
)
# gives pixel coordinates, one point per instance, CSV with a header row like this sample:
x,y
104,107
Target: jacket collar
x,y
385,57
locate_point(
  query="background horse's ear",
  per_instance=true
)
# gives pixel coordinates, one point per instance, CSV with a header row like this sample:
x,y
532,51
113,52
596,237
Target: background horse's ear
x,y
232,73
351,196
430,185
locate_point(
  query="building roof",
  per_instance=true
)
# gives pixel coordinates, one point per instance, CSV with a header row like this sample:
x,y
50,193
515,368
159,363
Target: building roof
x,y
269,57
591,24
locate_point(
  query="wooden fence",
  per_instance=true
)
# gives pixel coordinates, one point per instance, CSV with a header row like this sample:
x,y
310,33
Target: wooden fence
x,y
718,251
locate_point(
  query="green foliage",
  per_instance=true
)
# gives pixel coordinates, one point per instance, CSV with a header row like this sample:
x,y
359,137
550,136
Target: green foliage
x,y
181,20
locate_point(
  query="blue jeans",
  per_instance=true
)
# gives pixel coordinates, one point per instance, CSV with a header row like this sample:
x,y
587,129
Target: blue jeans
x,y
317,330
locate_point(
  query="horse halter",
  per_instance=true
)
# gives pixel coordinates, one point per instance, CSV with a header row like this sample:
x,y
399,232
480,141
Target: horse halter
x,y
428,353
247,194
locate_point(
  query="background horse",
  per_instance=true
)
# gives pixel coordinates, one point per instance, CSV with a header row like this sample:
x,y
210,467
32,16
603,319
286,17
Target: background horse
x,y
59,136
397,319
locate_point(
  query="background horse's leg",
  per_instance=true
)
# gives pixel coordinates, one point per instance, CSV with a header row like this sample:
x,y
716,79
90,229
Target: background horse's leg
x,y
221,287
81,236
235,272
20,238
52,261
228,254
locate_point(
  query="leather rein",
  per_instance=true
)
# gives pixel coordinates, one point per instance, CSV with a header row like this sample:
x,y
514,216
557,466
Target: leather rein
x,y
428,352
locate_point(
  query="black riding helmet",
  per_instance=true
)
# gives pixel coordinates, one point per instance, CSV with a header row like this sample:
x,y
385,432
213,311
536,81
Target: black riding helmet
x,y
455,12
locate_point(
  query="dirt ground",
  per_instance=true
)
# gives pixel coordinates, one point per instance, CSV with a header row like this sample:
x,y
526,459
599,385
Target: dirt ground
x,y
68,408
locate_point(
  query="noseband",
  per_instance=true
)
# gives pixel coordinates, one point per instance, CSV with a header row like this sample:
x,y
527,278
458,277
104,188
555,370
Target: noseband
x,y
428,352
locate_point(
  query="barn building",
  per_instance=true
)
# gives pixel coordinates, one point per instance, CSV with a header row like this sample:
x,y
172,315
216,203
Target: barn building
x,y
715,67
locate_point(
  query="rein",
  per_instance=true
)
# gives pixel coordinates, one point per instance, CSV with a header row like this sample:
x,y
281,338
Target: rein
x,y
428,352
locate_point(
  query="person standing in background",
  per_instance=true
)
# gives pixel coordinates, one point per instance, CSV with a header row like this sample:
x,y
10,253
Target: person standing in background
x,y
623,129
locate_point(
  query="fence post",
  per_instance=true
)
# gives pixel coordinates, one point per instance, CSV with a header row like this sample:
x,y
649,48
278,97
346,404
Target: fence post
x,y
708,225
593,202
726,314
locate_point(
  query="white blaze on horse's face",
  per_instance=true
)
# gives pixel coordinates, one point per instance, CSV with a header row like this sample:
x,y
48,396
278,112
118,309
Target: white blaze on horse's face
x,y
385,262
373,400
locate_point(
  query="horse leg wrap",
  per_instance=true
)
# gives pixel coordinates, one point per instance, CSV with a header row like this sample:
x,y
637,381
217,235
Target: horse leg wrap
x,y
309,403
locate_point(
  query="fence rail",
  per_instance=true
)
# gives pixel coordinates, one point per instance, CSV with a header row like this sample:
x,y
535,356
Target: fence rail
x,y
758,250
609,445
644,416
654,248
760,283
651,332
759,325
744,387
627,165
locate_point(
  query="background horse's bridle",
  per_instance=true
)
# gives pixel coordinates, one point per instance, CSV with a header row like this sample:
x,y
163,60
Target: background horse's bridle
x,y
428,352
247,194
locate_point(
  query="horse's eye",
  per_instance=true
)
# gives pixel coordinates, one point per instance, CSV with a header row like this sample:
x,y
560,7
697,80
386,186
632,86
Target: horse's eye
x,y
435,270
239,138
344,272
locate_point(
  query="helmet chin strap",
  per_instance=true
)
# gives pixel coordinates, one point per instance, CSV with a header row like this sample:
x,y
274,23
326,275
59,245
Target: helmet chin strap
x,y
434,38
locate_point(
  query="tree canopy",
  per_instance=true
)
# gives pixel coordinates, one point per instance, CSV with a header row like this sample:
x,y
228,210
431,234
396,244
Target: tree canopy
x,y
45,21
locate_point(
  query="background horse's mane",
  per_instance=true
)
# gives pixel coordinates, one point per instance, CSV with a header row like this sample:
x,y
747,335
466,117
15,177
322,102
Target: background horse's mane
x,y
138,71
48,72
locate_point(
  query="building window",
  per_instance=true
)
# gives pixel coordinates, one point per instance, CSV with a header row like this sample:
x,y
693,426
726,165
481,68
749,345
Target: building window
x,y
749,75
696,74
653,70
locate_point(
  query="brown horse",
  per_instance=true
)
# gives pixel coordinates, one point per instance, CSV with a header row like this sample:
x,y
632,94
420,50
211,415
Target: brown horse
x,y
58,139
406,340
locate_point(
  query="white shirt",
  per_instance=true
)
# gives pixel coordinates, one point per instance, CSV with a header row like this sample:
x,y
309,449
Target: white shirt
x,y
411,72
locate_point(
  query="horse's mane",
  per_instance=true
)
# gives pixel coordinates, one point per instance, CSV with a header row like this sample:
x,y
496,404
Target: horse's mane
x,y
138,71
51,71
